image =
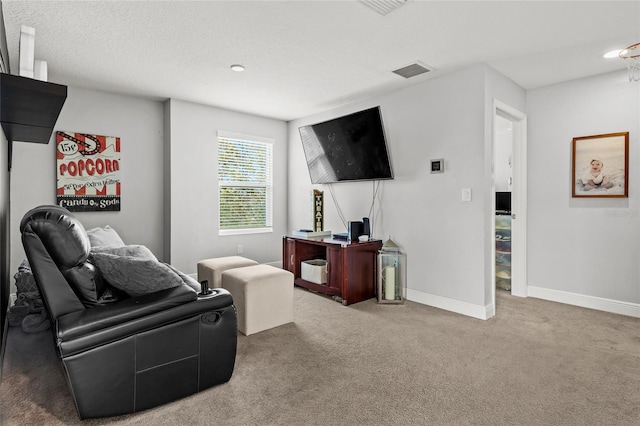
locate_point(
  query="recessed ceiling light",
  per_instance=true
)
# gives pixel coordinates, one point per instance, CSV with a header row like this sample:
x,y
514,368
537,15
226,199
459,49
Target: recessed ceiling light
x,y
613,54
237,67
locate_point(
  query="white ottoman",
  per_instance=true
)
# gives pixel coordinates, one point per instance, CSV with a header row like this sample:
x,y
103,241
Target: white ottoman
x,y
263,296
212,269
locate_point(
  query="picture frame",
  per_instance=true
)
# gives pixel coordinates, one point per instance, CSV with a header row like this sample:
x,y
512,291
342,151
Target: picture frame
x,y
600,166
88,172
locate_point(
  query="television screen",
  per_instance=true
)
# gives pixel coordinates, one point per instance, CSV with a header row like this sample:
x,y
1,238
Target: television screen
x,y
503,202
348,148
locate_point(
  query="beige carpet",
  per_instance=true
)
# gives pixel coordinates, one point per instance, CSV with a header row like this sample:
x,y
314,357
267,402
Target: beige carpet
x,y
535,363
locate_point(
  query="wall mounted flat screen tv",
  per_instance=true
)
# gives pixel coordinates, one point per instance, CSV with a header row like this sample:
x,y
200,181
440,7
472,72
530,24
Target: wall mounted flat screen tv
x,y
348,148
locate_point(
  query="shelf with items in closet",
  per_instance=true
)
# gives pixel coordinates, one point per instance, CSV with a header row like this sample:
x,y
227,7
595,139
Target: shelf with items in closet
x,y
503,252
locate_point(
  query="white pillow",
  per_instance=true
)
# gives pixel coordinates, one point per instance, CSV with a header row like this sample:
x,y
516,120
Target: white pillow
x,y
107,236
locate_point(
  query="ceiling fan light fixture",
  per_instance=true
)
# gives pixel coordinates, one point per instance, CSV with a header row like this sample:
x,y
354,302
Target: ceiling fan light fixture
x,y
613,53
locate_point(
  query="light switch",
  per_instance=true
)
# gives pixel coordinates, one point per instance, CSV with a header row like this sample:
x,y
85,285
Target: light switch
x,y
466,194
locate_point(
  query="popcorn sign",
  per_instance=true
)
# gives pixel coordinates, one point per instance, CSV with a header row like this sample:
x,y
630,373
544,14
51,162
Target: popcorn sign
x,y
88,171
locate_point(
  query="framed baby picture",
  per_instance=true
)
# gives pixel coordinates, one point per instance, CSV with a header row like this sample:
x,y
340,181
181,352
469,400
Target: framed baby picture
x,y
600,166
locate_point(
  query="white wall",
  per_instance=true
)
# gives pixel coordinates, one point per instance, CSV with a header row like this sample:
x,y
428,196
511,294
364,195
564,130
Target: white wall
x,y
443,237
586,248
4,208
138,123
186,181
447,242
193,192
502,154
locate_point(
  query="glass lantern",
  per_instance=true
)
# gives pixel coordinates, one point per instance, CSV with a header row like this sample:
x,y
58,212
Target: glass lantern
x,y
392,280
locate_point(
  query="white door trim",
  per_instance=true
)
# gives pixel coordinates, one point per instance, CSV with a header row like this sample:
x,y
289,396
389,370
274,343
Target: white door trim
x,y
518,200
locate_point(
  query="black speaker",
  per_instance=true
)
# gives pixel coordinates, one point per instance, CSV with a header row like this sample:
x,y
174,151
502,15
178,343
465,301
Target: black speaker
x,y
366,227
355,230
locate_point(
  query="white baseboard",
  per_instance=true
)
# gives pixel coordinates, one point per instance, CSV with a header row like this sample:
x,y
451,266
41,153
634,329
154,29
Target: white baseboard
x,y
457,306
486,312
585,301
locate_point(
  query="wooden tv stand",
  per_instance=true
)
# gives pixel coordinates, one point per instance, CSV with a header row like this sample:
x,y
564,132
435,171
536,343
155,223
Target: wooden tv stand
x,y
351,267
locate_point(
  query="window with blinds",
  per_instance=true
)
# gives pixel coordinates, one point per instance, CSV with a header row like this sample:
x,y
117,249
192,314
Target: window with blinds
x,y
245,184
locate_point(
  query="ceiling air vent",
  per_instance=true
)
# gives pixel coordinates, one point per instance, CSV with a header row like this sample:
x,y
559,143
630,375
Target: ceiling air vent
x,y
384,7
412,70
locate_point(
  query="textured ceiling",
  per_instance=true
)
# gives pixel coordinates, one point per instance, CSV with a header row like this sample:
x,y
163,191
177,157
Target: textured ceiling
x,y
304,57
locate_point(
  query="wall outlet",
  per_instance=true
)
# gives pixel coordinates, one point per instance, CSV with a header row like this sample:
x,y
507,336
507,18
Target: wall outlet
x,y
240,249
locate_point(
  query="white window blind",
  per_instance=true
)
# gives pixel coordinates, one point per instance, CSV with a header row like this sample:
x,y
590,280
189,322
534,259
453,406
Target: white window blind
x,y
245,184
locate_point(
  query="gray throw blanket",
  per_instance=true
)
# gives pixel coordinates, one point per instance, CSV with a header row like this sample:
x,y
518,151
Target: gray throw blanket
x,y
28,311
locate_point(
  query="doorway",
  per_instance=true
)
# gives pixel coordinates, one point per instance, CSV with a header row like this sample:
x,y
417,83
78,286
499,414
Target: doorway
x,y
503,185
509,182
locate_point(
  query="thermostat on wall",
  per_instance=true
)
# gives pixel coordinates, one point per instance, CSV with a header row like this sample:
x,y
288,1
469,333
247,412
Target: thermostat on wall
x,y
437,166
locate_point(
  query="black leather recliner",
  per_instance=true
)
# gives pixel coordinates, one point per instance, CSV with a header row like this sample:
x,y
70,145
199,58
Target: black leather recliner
x,y
131,354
